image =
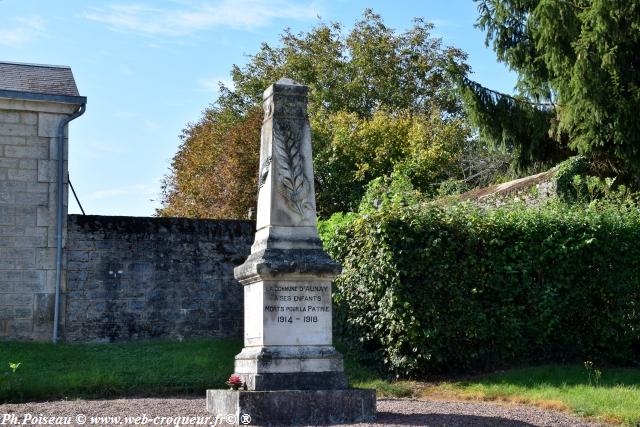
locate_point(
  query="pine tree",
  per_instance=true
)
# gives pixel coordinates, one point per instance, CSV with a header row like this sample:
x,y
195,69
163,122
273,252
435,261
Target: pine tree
x,y
582,59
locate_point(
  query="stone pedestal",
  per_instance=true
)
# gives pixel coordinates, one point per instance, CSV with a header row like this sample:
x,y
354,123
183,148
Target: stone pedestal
x,y
294,407
287,321
292,373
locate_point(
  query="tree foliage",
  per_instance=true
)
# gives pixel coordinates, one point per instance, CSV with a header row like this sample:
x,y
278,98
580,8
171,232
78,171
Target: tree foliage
x,y
514,124
216,167
352,151
379,100
580,56
370,68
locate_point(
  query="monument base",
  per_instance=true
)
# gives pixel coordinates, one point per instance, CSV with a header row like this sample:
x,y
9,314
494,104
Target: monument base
x,y
295,381
294,407
291,368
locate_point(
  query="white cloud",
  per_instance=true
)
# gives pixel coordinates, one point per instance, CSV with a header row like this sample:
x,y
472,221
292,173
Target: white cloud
x,y
22,31
191,17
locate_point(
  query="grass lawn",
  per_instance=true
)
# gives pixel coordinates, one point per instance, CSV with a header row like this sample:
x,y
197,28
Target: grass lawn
x,y
152,368
160,368
101,370
616,398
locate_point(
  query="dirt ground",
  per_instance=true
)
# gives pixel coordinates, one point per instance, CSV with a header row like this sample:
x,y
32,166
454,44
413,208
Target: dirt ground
x,y
191,411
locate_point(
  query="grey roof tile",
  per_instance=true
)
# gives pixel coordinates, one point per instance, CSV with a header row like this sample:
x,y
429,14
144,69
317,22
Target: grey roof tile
x,y
35,78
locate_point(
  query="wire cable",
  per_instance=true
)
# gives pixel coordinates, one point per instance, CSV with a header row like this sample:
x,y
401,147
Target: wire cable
x,y
75,195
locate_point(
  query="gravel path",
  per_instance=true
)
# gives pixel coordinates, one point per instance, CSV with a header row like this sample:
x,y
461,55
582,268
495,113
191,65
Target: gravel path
x,y
391,412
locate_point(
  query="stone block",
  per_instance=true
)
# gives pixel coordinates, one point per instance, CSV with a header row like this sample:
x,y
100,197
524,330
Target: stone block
x,y
6,197
137,305
46,258
20,329
13,186
44,333
37,187
39,199
25,215
77,279
47,170
28,164
17,258
45,216
37,140
7,116
23,313
48,124
15,129
9,276
78,255
7,215
26,152
12,140
16,299
53,148
22,241
26,175
29,118
9,163
43,313
33,281
294,407
35,231
12,230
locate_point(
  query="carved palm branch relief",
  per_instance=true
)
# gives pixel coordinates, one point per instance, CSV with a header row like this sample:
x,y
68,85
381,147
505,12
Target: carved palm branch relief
x,y
264,172
293,183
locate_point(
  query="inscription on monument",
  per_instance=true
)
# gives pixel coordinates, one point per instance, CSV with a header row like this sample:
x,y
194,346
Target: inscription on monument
x,y
298,303
297,313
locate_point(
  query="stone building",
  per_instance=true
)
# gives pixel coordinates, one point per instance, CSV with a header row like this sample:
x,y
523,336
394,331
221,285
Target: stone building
x,y
36,103
97,278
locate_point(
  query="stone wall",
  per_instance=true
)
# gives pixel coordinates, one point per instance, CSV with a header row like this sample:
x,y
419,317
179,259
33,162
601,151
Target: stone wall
x,y
136,278
28,161
533,191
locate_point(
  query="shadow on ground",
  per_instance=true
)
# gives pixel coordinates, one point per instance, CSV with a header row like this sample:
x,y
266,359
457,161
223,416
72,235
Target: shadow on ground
x,y
448,420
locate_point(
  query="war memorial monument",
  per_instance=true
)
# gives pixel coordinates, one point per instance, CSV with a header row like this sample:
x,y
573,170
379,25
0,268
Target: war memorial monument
x,y
291,373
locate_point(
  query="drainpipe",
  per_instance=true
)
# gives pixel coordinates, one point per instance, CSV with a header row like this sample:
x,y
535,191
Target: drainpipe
x,y
60,215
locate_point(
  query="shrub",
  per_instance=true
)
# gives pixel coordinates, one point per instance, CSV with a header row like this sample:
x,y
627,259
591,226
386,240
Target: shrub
x,y
429,288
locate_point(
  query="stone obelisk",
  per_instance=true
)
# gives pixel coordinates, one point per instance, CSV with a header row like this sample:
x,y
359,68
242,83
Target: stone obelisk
x,y
292,372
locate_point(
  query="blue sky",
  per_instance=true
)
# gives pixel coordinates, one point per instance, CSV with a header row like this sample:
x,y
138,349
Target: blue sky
x,y
150,67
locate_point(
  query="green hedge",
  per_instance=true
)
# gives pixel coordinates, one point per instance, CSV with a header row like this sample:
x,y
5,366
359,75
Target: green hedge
x,y
433,288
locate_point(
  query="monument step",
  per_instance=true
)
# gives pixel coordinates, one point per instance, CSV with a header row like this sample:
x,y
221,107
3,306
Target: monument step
x,y
293,407
296,381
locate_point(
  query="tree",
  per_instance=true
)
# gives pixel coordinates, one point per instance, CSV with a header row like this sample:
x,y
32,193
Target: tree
x,y
215,171
582,58
395,89
371,68
352,151
514,124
